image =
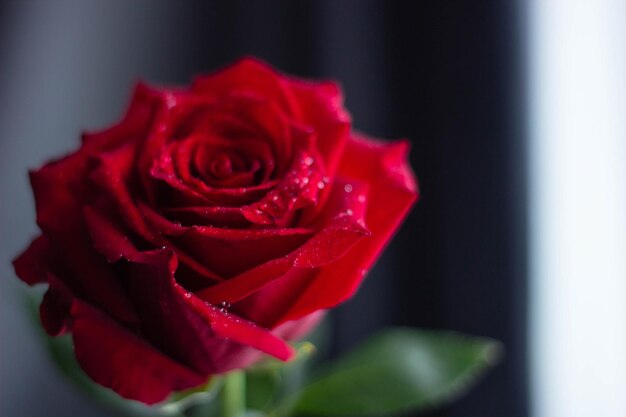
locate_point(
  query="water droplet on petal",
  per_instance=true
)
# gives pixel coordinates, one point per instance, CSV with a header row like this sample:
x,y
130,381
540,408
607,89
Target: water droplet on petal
x,y
308,161
347,188
187,295
321,185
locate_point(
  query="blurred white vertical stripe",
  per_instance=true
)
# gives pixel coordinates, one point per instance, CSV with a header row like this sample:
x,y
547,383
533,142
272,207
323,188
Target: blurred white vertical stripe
x,y
577,58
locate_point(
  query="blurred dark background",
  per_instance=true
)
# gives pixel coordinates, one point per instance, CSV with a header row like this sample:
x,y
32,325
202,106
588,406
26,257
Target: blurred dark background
x,y
445,74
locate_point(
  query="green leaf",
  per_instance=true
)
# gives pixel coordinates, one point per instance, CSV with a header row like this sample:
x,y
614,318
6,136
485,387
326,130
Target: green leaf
x,y
399,370
273,381
180,402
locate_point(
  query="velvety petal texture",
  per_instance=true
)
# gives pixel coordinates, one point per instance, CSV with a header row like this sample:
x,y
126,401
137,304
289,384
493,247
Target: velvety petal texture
x,y
210,226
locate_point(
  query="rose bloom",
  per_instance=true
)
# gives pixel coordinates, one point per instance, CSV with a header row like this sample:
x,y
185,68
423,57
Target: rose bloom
x,y
212,224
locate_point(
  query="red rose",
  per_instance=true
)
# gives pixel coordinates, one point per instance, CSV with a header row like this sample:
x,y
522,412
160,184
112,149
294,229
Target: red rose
x,y
209,225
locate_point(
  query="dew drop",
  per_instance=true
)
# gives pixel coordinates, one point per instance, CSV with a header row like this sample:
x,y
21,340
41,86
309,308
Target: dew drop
x,y
349,212
305,180
321,185
187,295
347,188
225,304
308,161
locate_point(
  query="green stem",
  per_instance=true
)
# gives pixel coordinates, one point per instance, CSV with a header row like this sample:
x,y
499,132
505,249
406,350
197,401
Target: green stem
x,y
234,394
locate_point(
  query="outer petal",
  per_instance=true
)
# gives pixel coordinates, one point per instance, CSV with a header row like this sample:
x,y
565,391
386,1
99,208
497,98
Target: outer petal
x,y
118,359
112,173
33,265
39,264
54,310
60,192
393,190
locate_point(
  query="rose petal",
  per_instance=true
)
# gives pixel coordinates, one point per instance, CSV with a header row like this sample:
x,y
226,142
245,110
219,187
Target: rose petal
x,y
340,230
111,241
54,310
199,334
107,237
170,191
321,106
299,188
118,359
208,216
193,157
345,208
60,193
392,192
228,252
283,287
249,74
33,265
112,173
